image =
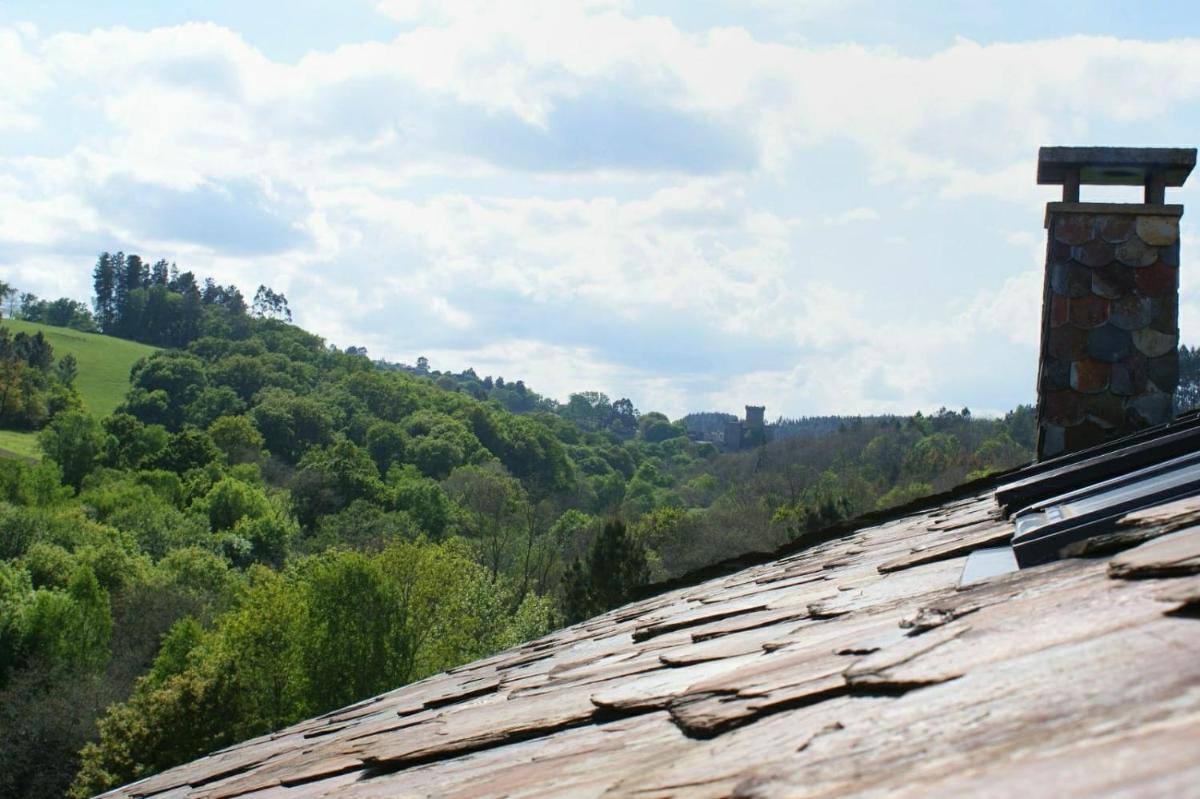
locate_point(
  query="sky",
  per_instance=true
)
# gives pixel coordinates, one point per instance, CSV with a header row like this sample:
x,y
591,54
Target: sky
x,y
817,206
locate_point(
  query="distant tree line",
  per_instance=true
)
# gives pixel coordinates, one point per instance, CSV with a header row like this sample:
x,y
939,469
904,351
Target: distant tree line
x,y
159,305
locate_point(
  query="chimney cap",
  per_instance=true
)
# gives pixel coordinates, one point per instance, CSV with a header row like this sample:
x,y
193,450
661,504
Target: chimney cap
x,y
1115,166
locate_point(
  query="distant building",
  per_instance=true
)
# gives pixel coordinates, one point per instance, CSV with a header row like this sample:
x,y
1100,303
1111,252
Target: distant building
x,y
733,435
748,432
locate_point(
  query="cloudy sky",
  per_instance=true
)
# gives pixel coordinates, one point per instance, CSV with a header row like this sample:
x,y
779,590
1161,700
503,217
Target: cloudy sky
x,y
822,206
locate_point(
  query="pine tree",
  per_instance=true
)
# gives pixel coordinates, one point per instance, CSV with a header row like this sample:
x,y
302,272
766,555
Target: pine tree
x,y
160,273
616,566
191,310
137,276
104,282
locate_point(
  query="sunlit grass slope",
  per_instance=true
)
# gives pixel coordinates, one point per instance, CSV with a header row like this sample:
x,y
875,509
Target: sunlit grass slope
x,y
14,444
104,364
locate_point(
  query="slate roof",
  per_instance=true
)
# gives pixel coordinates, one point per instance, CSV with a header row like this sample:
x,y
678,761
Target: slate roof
x,y
856,667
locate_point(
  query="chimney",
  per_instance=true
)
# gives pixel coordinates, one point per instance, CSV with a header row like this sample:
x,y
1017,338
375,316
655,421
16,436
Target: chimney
x,y
1110,310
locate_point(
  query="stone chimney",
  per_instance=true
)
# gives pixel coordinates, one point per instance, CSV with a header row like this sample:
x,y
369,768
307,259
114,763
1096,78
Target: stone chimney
x,y
1110,310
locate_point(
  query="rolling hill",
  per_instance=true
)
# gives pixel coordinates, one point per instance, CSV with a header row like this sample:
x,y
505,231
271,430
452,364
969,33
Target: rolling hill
x,y
104,364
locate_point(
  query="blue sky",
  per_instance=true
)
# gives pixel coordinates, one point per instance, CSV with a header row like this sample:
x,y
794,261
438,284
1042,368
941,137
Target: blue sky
x,y
824,207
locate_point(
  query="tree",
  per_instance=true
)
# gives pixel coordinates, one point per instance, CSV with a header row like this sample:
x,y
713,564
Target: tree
x,y
354,632
492,501
31,308
35,350
269,304
191,310
245,374
179,376
1187,395
291,425
191,449
237,437
212,403
387,443
67,369
655,428
7,292
625,418
230,501
420,497
129,443
160,274
615,567
332,477
65,312
72,441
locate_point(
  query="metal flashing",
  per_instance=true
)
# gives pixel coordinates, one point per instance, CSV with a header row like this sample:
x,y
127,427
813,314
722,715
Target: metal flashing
x,y
1046,527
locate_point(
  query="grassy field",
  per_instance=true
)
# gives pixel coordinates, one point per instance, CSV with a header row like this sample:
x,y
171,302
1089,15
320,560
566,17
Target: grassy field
x,y
18,445
104,364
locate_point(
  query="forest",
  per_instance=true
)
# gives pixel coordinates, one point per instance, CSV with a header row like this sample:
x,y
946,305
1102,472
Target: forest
x,y
269,527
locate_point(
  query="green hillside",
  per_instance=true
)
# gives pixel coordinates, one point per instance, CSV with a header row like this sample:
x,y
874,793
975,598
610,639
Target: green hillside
x,y
104,364
17,444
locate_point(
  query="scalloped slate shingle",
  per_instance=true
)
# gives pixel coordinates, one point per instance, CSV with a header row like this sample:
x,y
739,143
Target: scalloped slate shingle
x,y
1110,334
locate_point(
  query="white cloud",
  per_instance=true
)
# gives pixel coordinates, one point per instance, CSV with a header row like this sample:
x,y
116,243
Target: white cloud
x,y
1013,311
490,154
859,214
24,77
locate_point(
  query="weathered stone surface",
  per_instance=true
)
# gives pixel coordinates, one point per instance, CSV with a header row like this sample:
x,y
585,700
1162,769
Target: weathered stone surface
x,y
1067,343
714,767
1172,555
1183,591
1158,231
955,740
1058,253
1090,376
1074,229
1113,281
1163,372
1158,280
1169,255
1106,410
1060,310
693,617
987,534
658,688
1082,436
1151,343
782,678
1164,518
1130,312
1164,313
1150,409
1128,377
1053,439
1070,279
1109,343
1094,253
1089,311
1114,228
1136,252
1063,408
